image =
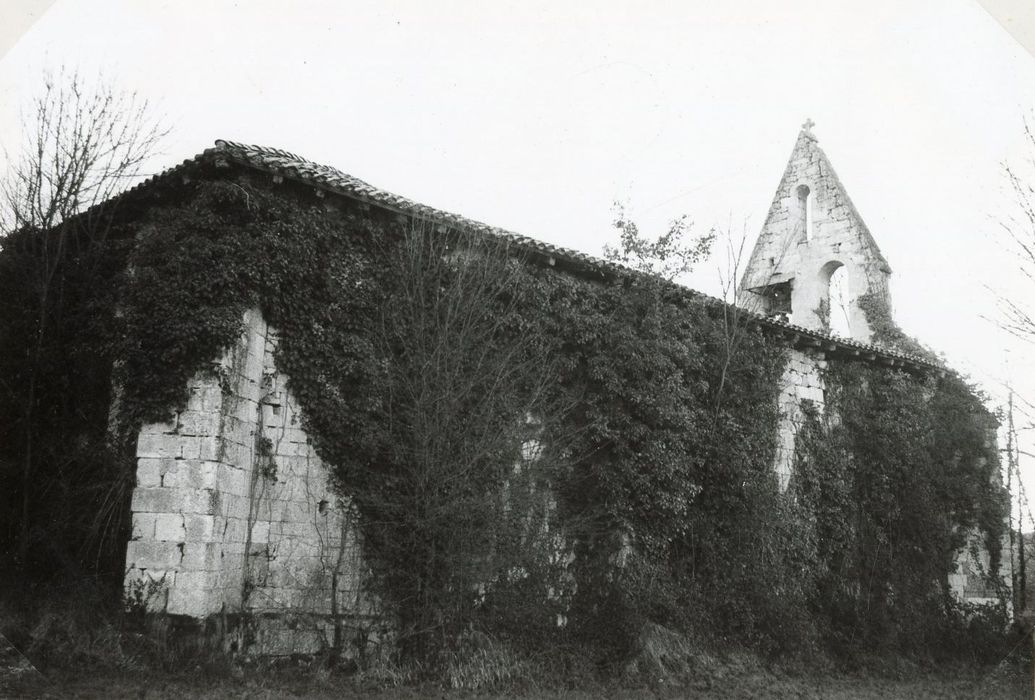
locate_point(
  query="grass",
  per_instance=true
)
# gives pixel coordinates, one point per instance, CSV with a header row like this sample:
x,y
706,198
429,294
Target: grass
x,y
1004,683
83,648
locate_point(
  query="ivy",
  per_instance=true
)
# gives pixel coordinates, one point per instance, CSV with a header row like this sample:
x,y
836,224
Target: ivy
x,y
885,331
897,475
669,440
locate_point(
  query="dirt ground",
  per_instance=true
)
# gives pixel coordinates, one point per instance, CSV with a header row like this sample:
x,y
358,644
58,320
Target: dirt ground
x,y
1005,683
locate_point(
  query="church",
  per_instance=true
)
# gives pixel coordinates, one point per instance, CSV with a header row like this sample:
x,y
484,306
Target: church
x,y
211,535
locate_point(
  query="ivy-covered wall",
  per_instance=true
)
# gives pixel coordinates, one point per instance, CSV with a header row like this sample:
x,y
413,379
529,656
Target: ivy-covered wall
x,y
234,511
667,414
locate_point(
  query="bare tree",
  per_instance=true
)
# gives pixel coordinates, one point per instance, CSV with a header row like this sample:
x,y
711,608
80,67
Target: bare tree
x,y
458,501
1018,316
85,141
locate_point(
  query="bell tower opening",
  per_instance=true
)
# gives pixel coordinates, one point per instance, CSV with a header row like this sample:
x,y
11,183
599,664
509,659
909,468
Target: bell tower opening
x,y
835,304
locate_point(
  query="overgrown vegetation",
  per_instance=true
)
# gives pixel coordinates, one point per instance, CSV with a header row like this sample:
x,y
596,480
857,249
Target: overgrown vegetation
x,y
84,141
430,364
896,477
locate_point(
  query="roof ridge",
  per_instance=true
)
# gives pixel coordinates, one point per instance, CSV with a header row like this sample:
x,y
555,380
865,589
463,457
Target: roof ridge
x,y
281,162
338,181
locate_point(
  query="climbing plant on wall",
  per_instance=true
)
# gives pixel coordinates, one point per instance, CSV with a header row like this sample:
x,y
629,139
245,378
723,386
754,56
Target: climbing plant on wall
x,y
898,474
659,433
653,459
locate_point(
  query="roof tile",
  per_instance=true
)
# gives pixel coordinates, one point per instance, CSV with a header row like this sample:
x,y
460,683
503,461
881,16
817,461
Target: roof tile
x,y
281,162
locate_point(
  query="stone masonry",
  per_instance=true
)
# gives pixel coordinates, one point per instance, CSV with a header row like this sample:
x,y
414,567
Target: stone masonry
x,y
802,381
811,231
234,511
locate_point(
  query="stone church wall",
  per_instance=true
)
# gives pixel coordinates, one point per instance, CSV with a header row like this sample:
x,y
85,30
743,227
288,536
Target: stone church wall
x,y
802,380
234,511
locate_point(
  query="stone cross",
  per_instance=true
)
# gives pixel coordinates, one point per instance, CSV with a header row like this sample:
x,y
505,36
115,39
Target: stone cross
x,y
807,126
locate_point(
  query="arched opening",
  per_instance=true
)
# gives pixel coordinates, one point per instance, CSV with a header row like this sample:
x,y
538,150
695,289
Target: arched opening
x,y
805,211
839,301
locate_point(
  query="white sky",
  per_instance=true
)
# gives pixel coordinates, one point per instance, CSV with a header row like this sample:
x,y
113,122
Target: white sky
x,y
536,116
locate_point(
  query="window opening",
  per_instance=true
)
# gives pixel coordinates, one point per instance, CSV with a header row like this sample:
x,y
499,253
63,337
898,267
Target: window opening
x,y
840,301
805,211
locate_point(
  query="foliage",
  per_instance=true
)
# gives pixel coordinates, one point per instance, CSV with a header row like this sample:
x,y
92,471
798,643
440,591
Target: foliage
x,y
897,476
83,142
888,333
668,256
455,497
428,363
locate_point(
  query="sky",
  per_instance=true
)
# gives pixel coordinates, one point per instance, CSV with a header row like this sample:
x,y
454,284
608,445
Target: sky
x,y
537,116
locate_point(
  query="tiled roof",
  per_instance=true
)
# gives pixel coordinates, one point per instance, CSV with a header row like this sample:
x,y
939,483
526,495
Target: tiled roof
x,y
281,163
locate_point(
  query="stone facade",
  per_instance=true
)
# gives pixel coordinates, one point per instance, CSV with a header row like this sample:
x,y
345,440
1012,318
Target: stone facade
x,y
971,582
802,381
813,230
234,511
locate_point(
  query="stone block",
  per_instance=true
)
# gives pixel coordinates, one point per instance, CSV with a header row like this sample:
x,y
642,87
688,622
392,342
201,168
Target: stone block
x,y
236,530
144,554
271,414
232,549
191,474
261,531
232,480
169,527
190,447
292,464
151,588
234,506
245,410
301,528
194,580
210,448
143,526
149,472
174,500
205,395
231,591
157,445
293,449
201,556
189,601
237,453
256,353
152,500
292,511
233,428
231,574
198,423
296,435
199,528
